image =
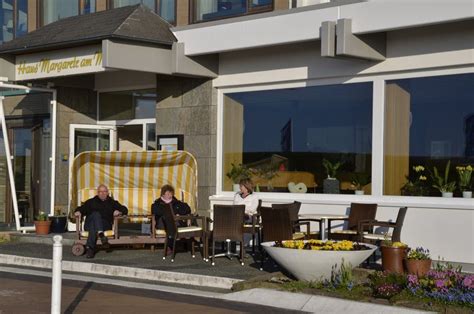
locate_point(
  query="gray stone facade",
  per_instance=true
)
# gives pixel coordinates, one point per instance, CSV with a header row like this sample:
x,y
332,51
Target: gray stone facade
x,y
188,106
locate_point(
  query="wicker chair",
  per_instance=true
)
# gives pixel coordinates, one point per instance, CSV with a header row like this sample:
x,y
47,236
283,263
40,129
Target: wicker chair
x,y
278,226
188,233
228,226
359,213
378,237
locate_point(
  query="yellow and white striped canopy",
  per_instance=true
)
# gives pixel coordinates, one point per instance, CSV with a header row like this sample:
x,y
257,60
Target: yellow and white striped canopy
x,y
134,178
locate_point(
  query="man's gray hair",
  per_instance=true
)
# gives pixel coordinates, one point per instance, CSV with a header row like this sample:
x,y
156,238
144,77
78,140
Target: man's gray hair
x,y
102,186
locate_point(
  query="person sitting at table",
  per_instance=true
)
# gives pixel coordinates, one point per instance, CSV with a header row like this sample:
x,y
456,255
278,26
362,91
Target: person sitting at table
x,y
246,197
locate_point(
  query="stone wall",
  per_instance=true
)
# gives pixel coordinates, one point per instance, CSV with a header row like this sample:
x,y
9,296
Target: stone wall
x,y
188,106
74,106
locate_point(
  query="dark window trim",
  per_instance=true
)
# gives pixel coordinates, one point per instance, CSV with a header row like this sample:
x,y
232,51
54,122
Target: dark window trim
x,y
250,11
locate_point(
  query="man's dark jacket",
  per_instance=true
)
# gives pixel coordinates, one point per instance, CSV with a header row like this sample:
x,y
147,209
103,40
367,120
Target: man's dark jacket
x,y
106,208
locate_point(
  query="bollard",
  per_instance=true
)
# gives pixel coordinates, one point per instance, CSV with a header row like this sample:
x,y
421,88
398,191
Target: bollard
x,y
56,279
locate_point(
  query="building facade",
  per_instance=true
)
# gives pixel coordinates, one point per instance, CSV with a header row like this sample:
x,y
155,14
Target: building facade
x,y
285,90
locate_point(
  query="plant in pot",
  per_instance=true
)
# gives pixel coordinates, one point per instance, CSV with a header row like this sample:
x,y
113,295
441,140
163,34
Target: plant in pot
x,y
418,261
416,182
442,182
331,184
359,180
42,223
59,220
267,172
393,254
465,174
237,173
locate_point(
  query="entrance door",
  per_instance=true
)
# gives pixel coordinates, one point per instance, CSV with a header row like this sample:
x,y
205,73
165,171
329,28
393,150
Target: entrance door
x,y
84,138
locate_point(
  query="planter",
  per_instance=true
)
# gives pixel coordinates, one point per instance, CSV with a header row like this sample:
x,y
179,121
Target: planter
x,y
359,192
236,187
418,267
42,227
447,194
58,224
467,194
331,186
312,265
392,258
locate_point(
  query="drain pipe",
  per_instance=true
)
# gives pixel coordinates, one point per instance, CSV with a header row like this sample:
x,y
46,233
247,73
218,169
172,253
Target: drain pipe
x,y
56,279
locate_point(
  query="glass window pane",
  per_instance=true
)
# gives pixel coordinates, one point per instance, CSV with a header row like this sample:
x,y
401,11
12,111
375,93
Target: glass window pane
x,y
54,10
260,3
6,20
123,3
89,7
151,136
429,123
130,137
127,105
167,10
21,17
214,9
286,135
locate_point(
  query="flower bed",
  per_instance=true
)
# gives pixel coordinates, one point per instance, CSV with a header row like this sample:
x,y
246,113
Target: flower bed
x,y
319,245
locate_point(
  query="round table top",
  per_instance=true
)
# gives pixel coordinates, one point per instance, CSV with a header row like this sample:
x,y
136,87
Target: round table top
x,y
322,216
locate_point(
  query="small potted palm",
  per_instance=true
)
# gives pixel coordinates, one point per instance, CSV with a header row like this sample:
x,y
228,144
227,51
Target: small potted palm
x,y
359,180
393,254
331,183
465,174
418,261
442,182
42,223
237,173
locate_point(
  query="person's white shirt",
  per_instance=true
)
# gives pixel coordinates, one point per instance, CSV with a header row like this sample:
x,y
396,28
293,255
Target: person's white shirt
x,y
250,202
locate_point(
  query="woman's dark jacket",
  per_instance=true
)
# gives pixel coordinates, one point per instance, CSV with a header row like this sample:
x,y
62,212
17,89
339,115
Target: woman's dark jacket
x,y
179,208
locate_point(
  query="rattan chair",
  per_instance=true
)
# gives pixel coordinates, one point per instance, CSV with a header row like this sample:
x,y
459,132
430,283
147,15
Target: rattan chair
x,y
359,213
228,226
188,233
254,228
278,226
395,236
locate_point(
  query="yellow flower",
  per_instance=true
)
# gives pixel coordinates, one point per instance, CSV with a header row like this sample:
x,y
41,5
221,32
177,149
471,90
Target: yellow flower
x,y
469,168
398,244
422,178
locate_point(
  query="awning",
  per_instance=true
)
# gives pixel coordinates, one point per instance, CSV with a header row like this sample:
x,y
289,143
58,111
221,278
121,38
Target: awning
x,y
134,178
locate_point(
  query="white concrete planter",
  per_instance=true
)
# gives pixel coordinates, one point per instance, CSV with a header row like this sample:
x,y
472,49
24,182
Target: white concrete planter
x,y
467,194
359,192
447,194
312,265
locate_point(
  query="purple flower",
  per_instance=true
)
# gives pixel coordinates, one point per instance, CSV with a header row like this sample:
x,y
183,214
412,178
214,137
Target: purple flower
x,y
468,282
412,280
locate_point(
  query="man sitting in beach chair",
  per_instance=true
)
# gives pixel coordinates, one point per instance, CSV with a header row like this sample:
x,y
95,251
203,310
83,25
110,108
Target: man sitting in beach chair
x,y
99,211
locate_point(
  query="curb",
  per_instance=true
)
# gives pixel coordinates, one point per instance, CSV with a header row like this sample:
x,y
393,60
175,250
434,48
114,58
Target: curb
x,y
122,271
26,238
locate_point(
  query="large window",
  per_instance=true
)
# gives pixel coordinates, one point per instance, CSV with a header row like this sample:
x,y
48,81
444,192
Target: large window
x,y
53,10
164,8
429,122
284,138
207,10
13,19
127,105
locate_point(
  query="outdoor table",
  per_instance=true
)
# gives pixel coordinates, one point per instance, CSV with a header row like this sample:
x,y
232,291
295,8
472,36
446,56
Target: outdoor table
x,y
322,218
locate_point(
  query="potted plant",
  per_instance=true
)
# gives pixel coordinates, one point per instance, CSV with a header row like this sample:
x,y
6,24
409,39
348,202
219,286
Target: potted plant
x,y
416,182
237,173
418,261
59,220
393,254
331,184
359,180
465,174
441,182
266,172
42,223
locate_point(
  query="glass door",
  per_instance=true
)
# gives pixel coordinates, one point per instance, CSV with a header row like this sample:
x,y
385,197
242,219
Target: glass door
x,y
84,138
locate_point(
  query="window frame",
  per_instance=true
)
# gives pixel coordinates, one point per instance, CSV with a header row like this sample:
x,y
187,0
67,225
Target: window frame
x,y
378,125
15,22
156,9
249,11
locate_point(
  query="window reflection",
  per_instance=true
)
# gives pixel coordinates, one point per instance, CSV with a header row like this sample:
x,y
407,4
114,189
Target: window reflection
x,y
428,122
54,10
284,135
